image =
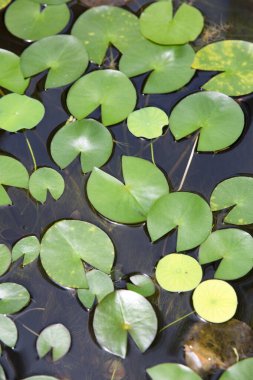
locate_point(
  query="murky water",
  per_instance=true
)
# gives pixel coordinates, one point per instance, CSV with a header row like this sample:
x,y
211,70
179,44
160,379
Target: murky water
x,y
86,361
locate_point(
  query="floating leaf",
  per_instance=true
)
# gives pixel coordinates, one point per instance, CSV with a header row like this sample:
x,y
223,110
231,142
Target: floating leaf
x,y
63,55
67,244
110,89
13,298
219,119
3,4
87,138
51,2
215,301
101,26
8,331
235,250
46,180
241,370
129,202
147,122
178,273
11,76
41,377
121,312
2,374
234,60
38,22
170,66
12,173
188,212
158,24
5,259
86,297
236,192
141,284
172,371
56,338
29,247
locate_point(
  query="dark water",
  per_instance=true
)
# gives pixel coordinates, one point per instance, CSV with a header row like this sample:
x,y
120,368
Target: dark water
x,y
86,361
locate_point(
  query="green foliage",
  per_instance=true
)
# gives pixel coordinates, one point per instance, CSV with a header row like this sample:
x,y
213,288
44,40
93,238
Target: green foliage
x,y
241,370
29,247
42,377
13,298
3,4
56,338
5,259
8,331
46,180
172,371
141,284
2,374
11,76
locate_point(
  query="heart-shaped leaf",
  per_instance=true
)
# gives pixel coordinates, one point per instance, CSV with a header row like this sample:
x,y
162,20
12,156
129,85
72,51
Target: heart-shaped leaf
x,y
13,298
29,247
188,212
38,22
11,76
158,24
172,371
123,312
147,122
101,26
110,89
234,59
8,331
46,180
241,370
56,338
63,55
219,119
5,259
129,202
141,284
67,244
235,250
170,66
87,138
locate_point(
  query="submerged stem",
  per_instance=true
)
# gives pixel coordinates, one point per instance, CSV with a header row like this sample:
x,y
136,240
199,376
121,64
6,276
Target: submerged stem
x,y
188,163
176,321
152,153
32,154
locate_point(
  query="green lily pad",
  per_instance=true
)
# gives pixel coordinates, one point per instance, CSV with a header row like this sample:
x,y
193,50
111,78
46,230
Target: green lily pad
x,y
8,331
241,370
41,377
37,23
172,371
147,122
170,66
2,374
11,76
3,4
56,338
12,173
123,312
51,2
188,212
236,192
67,244
215,301
158,24
234,60
101,26
178,273
87,138
13,298
46,180
29,247
64,56
129,202
5,259
141,284
110,89
219,119
86,298
235,250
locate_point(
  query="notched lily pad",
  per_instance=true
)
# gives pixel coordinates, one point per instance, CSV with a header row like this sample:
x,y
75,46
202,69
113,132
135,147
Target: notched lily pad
x,y
13,298
11,76
141,284
241,370
45,180
8,332
5,259
56,338
171,371
29,247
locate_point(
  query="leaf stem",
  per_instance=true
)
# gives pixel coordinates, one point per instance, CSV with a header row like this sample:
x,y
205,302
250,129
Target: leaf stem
x,y
32,153
188,163
114,371
28,311
176,321
152,153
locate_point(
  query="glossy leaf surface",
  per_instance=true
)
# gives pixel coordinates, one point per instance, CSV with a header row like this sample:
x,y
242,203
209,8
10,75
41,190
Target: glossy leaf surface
x,y
241,370
8,331
11,76
5,259
172,371
142,284
45,180
56,338
29,247
13,297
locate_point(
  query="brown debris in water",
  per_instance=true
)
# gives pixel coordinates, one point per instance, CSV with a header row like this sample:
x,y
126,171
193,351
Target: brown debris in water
x,y
212,33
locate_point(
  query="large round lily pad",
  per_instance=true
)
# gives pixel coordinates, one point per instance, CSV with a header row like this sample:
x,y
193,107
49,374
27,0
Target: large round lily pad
x,y
45,180
172,371
13,297
11,76
241,370
217,117
56,338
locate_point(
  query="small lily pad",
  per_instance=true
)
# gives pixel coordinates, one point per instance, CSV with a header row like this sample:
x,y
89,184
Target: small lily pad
x,y
217,117
178,273
13,298
172,371
141,284
8,331
45,180
123,312
241,370
215,301
2,373
110,89
56,338
29,247
11,76
158,24
86,297
5,259
41,377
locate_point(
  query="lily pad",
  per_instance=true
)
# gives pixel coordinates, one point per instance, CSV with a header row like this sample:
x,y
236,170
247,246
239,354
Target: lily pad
x,y
3,4
12,173
51,2
67,244
110,89
215,301
64,56
235,250
86,298
38,22
188,212
236,192
29,247
11,76
8,331
172,371
217,117
56,338
178,273
5,259
158,24
13,297
87,138
46,180
2,373
170,66
147,122
241,370
101,26
142,284
41,377
234,59
123,312
129,202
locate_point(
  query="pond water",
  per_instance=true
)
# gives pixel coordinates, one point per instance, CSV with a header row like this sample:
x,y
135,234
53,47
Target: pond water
x,y
134,252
